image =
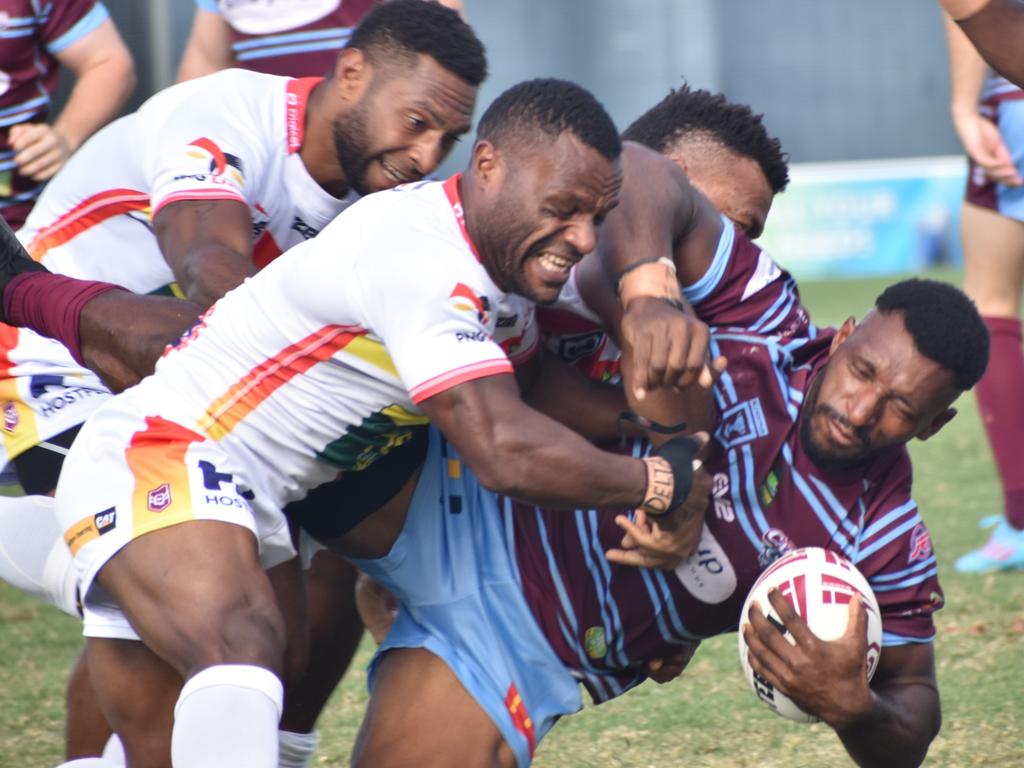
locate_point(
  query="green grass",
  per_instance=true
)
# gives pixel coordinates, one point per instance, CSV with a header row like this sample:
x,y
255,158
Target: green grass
x,y
708,717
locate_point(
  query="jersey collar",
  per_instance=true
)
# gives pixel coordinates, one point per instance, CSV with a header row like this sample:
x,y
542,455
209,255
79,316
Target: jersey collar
x,y
296,98
451,191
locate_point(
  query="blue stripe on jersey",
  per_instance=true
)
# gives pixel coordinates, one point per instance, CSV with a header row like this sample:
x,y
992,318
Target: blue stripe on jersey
x,y
700,290
210,6
830,525
24,21
725,380
885,577
889,518
750,486
287,50
602,580
26,106
778,310
842,514
890,638
293,37
11,34
659,617
736,494
682,633
24,197
894,533
908,582
84,26
570,632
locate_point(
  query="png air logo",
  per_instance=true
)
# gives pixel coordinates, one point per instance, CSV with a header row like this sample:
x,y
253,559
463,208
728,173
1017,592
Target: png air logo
x,y
221,167
159,498
464,299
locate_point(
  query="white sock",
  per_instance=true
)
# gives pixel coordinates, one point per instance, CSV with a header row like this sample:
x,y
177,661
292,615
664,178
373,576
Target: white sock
x,y
91,762
296,749
226,717
33,555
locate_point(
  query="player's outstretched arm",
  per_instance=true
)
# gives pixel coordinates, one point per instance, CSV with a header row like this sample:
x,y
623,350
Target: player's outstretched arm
x,y
888,723
662,234
517,451
995,27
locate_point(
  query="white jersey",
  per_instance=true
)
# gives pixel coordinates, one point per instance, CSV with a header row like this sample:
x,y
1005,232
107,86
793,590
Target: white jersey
x,y
234,135
318,363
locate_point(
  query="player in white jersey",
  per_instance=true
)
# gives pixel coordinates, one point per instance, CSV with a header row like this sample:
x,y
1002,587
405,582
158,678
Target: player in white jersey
x,y
265,408
209,196
211,180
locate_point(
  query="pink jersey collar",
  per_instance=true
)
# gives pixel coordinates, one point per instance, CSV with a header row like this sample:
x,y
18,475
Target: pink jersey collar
x,y
296,99
451,191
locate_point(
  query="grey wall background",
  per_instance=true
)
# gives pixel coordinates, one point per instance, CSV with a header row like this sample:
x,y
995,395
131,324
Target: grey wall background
x,y
835,80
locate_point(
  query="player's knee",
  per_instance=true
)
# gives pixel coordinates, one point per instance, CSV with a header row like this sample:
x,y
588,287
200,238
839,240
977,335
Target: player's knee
x,y
248,632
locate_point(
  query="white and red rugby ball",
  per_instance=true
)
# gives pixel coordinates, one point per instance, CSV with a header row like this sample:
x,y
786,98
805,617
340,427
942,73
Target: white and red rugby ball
x,y
818,584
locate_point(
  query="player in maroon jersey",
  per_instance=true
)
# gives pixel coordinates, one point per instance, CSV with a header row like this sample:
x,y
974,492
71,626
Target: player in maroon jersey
x,y
505,606
39,38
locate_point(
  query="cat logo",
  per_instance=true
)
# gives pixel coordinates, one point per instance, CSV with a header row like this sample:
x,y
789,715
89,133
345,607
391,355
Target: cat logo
x,y
105,521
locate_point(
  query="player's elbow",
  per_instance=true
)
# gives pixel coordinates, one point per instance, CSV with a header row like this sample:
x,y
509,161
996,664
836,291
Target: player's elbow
x,y
502,468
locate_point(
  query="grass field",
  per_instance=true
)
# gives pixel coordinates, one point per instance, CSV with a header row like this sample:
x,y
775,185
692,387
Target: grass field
x,y
708,717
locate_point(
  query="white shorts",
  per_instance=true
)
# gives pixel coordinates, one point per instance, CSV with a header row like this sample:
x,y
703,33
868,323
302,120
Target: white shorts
x,y
128,475
43,391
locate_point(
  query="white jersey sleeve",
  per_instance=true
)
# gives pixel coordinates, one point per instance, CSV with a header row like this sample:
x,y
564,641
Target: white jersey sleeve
x,y
436,318
209,154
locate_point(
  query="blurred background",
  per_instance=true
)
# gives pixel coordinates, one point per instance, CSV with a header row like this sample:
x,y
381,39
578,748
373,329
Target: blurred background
x,y
857,92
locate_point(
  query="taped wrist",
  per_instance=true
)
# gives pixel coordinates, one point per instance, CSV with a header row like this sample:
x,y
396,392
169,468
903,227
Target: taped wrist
x,y
654,278
51,305
669,475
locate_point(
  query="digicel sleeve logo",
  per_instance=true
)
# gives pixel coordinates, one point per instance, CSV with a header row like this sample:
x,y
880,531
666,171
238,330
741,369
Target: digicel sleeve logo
x,y
221,162
464,300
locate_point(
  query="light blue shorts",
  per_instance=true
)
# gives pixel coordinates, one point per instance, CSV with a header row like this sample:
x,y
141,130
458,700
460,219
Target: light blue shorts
x,y
1009,201
453,568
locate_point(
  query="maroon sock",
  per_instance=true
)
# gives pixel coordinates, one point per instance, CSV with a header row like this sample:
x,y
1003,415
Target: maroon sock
x,y
51,305
1001,401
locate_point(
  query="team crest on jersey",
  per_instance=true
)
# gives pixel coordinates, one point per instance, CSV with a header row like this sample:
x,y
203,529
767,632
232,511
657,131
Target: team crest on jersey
x,y
464,299
741,424
219,166
159,499
920,544
11,417
594,642
776,544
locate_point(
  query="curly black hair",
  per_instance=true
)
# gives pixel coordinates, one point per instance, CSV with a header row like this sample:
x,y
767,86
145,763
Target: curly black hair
x,y
552,107
400,29
945,325
688,113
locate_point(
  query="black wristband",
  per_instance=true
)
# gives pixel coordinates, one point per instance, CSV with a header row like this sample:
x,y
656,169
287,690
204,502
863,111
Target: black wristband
x,y
680,452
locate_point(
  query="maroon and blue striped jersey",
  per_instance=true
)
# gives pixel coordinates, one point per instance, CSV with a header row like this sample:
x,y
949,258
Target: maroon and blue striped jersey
x,y
604,620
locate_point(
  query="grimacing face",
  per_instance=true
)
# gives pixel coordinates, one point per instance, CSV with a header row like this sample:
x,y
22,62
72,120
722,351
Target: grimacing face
x,y
734,184
543,213
403,126
875,391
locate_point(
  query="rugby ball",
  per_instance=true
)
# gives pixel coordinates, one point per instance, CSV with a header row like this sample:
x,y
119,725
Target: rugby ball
x,y
818,584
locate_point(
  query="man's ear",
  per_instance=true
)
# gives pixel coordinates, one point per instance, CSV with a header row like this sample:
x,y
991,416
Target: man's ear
x,y
488,164
843,333
352,73
937,423
679,159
